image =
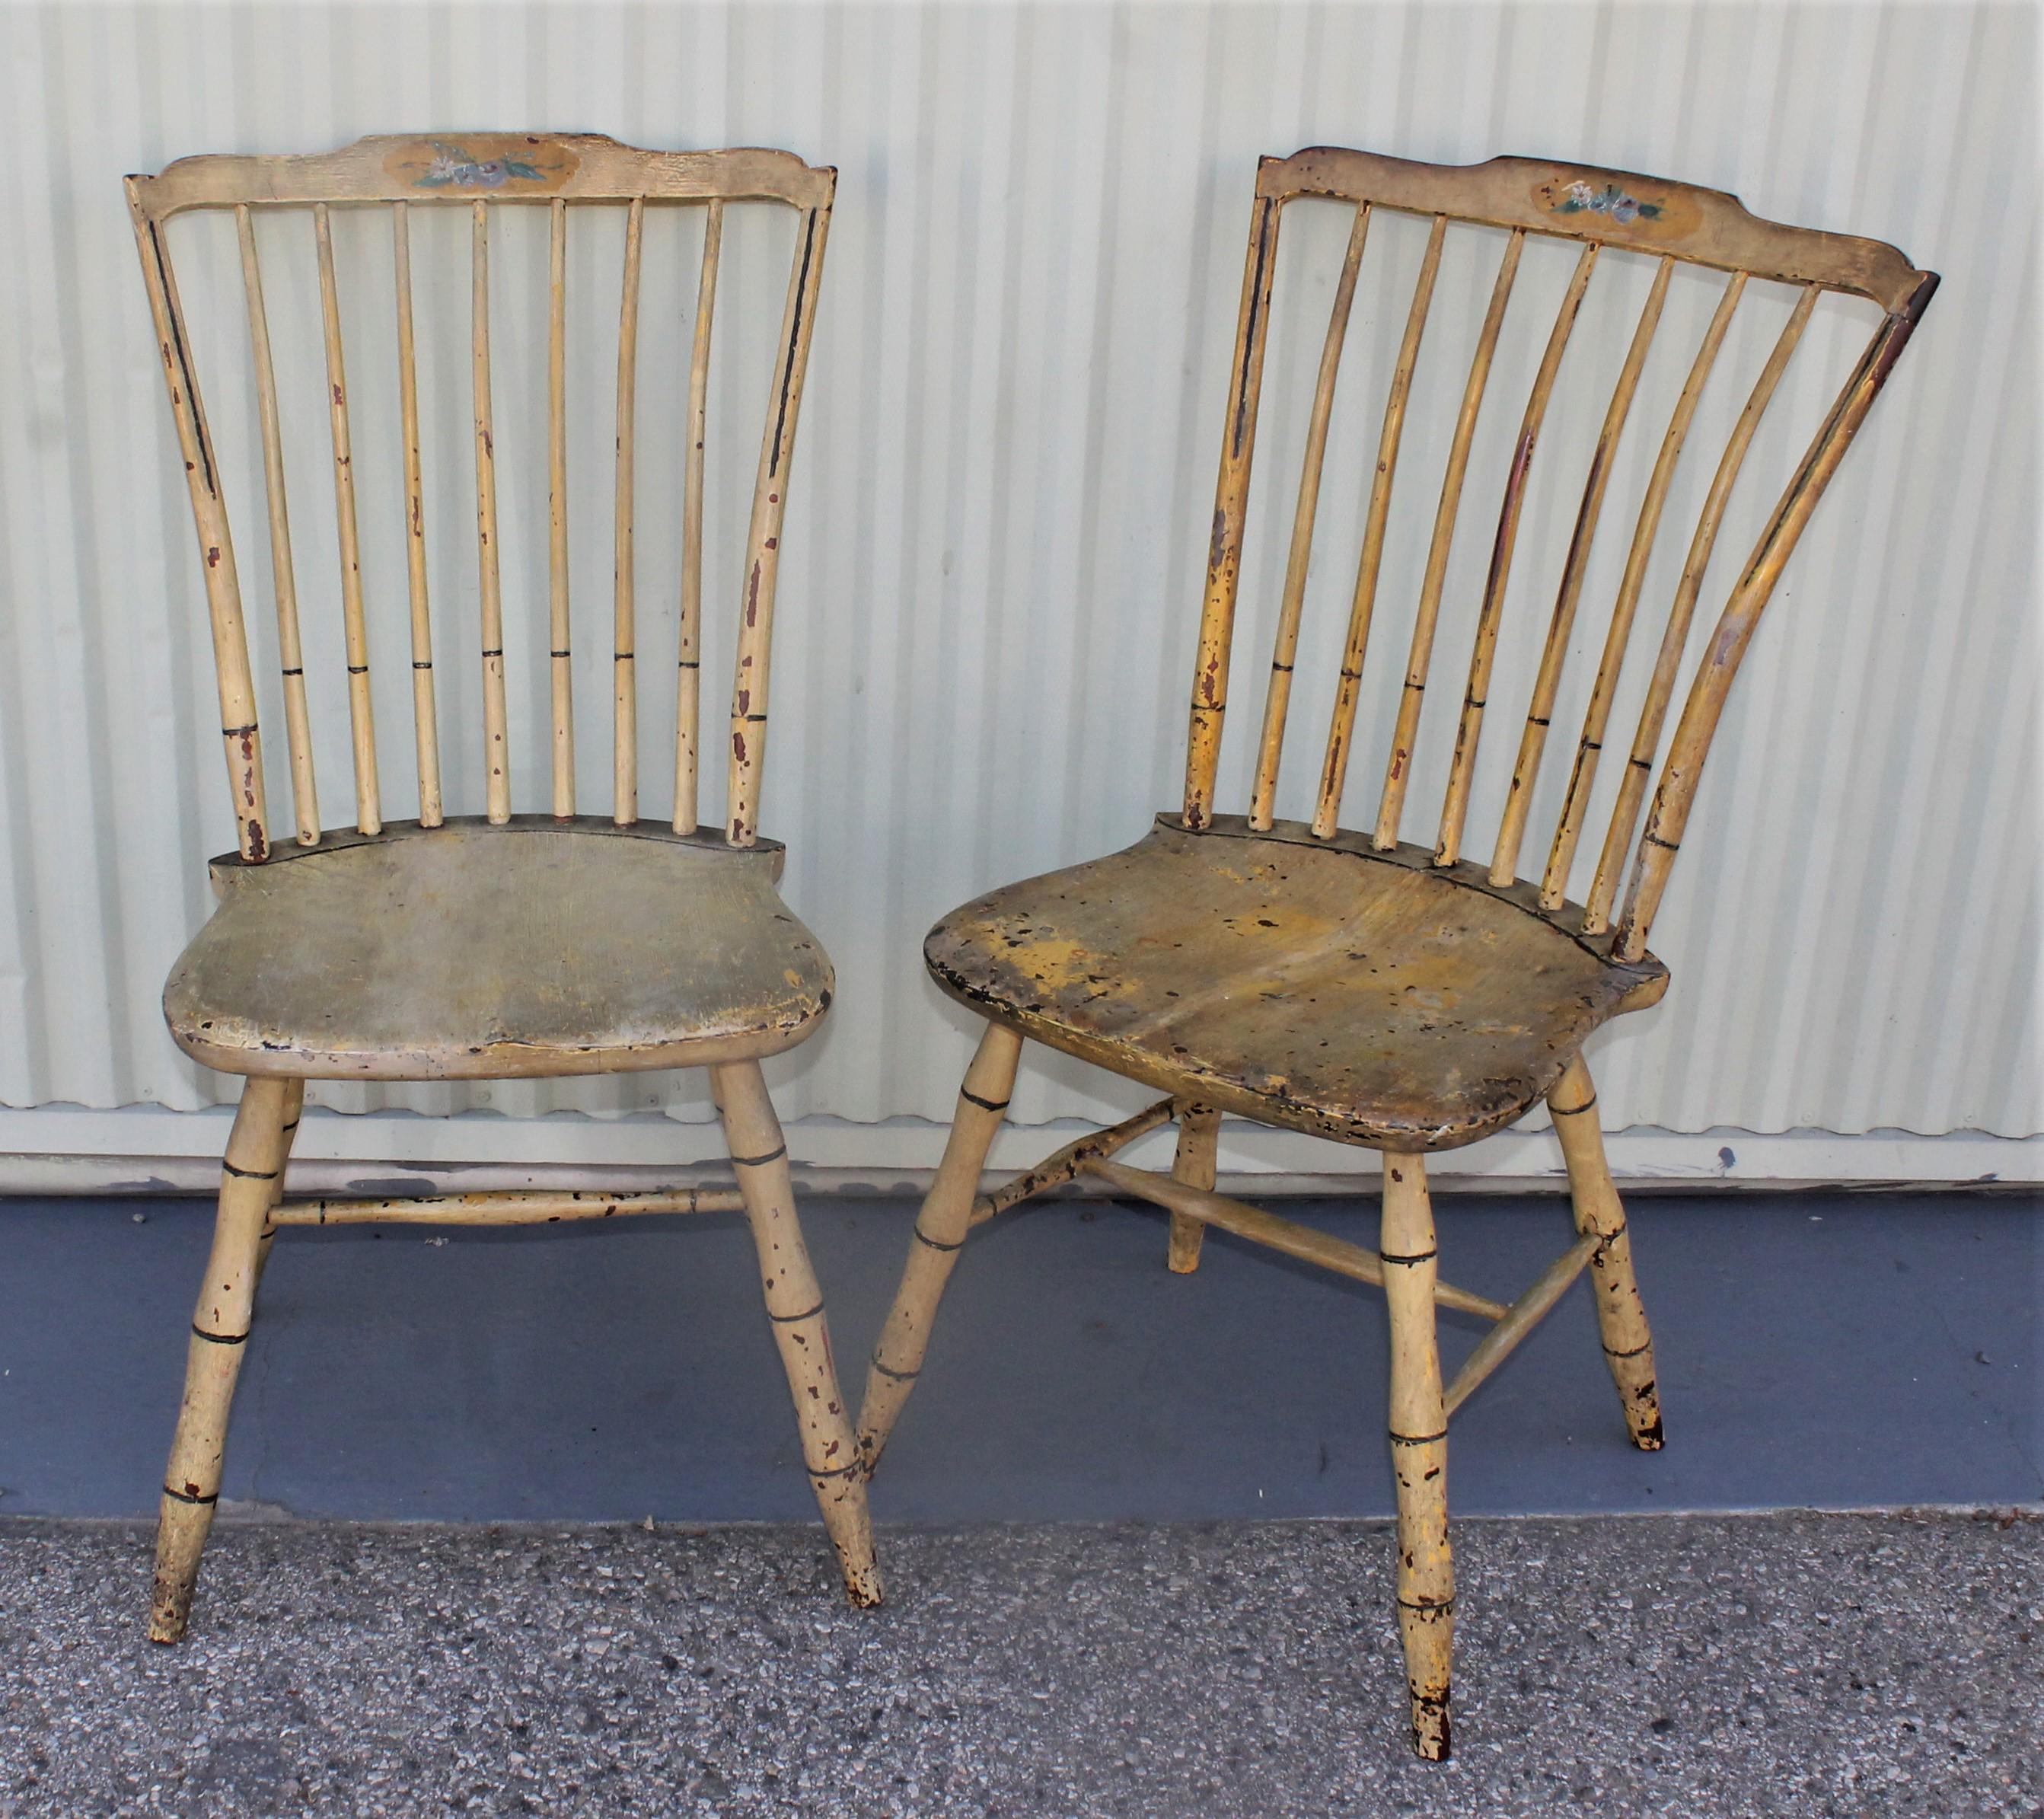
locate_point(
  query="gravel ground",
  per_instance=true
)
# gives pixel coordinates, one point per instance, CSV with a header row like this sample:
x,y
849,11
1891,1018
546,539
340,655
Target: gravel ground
x,y
1708,1667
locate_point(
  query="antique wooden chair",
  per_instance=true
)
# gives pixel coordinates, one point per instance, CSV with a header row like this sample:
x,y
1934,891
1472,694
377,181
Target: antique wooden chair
x,y
1350,985
504,944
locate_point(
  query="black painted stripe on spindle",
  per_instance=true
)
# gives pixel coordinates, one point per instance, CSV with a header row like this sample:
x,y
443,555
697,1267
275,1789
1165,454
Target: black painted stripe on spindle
x,y
1641,763
1665,845
1398,1439
199,1332
1286,667
689,664
755,719
1571,1111
1592,744
249,1174
560,653
1420,1605
1471,701
1209,707
186,1496
1535,720
358,669
833,1471
1417,1257
1417,688
923,1237
297,672
759,1161
497,653
1636,1351
773,448
1352,675
237,731
984,1104
793,1319
897,1376
418,663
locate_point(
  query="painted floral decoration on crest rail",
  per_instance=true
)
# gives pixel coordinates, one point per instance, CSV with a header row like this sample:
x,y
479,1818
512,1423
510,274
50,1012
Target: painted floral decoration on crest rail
x,y
453,167
1580,198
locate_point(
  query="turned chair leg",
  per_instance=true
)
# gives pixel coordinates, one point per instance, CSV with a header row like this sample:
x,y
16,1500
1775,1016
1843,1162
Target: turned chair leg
x,y
1419,1426
941,1225
795,1308
1199,1138
294,1105
250,1178
1628,1344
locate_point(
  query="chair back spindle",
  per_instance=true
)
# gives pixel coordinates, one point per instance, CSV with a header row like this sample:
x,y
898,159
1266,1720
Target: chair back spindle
x,y
565,174
1609,215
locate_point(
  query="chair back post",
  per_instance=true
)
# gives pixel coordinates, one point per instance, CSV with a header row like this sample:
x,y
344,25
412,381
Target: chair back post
x,y
482,173
1672,224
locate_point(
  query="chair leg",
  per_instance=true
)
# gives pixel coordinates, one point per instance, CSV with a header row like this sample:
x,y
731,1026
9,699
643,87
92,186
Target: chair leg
x,y
249,1182
795,1308
1628,1344
941,1225
1419,1426
1199,1137
294,1105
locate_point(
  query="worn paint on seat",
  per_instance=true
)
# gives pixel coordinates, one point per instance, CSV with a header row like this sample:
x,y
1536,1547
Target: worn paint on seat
x,y
469,950
1323,987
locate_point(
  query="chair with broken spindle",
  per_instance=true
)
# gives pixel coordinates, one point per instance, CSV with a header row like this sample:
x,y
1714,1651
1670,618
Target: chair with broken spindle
x,y
507,945
1352,986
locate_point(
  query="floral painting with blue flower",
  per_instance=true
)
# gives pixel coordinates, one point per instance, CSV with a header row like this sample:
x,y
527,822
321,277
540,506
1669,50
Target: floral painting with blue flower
x,y
1580,198
453,168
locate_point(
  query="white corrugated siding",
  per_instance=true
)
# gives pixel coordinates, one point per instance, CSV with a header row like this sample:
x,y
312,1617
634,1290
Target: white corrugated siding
x,y
1004,485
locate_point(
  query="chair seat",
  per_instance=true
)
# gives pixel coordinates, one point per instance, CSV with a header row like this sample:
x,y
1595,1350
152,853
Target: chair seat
x,y
472,950
1319,986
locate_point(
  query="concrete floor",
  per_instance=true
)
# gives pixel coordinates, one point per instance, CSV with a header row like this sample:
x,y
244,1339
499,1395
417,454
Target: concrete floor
x,y
1849,1667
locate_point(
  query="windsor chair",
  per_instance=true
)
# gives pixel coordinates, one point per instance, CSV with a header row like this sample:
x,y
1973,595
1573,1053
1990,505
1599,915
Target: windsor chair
x,y
1352,985
506,944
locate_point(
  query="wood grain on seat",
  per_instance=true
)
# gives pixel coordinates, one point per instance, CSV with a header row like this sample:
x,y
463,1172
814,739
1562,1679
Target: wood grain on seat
x,y
1320,986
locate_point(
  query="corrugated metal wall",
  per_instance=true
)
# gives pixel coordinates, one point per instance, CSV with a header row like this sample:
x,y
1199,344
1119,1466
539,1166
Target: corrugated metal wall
x,y
1002,493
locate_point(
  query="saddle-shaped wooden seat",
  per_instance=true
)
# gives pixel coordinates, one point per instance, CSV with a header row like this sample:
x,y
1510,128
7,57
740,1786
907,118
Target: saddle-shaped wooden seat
x,y
1319,986
473,952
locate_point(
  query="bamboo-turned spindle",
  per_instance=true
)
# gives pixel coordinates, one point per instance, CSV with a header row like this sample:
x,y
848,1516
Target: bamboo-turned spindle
x,y
241,738
1661,687
368,806
496,719
1299,560
763,556
1469,728
291,652
795,1309
941,1223
1628,1343
1195,1164
560,648
1596,716
624,667
425,718
1209,703
1547,679
688,686
1662,837
1405,734
1419,1433
220,1334
1341,731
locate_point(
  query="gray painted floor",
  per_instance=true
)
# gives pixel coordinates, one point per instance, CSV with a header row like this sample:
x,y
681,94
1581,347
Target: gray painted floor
x,y
1817,1351
1701,1667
